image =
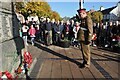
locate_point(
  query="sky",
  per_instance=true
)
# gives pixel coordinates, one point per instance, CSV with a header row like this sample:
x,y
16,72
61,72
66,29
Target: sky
x,y
69,9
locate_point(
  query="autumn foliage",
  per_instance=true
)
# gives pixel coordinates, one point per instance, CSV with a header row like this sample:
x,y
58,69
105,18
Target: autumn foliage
x,y
37,8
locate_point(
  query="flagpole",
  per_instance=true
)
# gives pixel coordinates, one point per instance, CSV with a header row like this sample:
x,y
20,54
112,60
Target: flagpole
x,y
81,4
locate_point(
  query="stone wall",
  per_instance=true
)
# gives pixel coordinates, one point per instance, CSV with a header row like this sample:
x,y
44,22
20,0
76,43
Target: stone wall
x,y
11,44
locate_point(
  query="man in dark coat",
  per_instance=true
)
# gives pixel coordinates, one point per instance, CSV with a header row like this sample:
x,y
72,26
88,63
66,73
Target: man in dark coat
x,y
57,32
85,36
33,23
116,29
71,33
48,32
66,30
109,34
42,29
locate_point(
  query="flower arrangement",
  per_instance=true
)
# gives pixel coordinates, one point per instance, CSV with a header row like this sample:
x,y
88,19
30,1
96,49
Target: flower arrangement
x,y
117,45
20,70
65,43
25,64
6,75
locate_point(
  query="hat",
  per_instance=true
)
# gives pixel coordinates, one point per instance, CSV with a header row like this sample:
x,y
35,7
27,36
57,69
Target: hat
x,y
81,10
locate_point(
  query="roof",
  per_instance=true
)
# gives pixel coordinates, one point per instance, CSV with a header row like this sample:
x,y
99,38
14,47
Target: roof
x,y
107,11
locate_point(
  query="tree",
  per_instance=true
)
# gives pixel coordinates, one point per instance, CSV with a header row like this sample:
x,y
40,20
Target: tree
x,y
66,18
89,14
97,16
55,15
37,8
19,6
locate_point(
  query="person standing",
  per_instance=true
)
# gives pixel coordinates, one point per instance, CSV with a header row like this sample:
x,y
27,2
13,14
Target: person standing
x,y
75,30
32,32
42,32
53,23
84,36
109,34
27,23
48,32
66,30
57,32
71,33
101,35
25,33
116,29
61,29
94,35
32,22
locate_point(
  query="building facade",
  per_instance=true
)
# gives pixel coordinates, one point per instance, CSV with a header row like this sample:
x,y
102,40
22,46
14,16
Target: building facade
x,y
111,14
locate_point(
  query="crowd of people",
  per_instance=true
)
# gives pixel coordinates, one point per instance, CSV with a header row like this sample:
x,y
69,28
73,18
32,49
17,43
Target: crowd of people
x,y
52,32
106,34
49,31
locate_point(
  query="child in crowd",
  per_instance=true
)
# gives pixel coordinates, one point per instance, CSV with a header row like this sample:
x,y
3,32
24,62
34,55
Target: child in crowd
x,y
32,32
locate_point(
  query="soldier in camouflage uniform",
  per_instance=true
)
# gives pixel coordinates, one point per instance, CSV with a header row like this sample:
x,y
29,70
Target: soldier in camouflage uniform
x,y
84,36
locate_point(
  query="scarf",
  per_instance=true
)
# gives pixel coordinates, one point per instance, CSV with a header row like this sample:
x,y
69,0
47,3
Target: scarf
x,y
76,28
67,28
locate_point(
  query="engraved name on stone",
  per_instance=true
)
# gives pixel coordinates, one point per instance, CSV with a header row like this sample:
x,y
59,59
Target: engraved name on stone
x,y
7,30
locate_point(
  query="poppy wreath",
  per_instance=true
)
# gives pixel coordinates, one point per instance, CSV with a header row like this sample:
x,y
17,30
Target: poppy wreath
x,y
20,69
94,37
27,58
25,64
6,75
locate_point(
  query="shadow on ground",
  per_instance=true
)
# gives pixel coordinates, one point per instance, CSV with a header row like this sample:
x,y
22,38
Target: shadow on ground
x,y
43,55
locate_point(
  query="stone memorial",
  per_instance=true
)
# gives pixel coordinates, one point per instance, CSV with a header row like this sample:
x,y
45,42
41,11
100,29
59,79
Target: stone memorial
x,y
10,42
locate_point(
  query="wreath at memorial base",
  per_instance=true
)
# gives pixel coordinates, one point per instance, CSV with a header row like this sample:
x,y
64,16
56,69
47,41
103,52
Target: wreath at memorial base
x,y
25,65
116,47
6,75
22,69
65,43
